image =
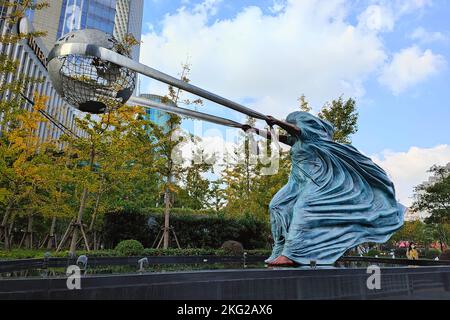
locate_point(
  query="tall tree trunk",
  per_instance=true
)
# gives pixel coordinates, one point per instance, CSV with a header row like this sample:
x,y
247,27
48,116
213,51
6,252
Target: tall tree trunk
x,y
29,233
167,193
91,233
4,225
94,214
79,221
167,218
7,244
52,240
9,234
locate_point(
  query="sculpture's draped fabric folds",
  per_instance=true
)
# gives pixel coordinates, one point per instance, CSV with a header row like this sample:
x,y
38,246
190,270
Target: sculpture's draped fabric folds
x,y
336,198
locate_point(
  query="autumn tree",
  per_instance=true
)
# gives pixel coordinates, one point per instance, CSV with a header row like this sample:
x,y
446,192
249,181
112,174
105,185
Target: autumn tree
x,y
125,171
22,169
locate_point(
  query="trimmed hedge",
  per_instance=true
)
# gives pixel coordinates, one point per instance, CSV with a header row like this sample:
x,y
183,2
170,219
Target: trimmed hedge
x,y
193,230
18,254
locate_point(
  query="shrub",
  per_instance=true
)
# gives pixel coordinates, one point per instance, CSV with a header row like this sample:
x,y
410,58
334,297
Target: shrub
x,y
130,248
233,248
373,253
430,254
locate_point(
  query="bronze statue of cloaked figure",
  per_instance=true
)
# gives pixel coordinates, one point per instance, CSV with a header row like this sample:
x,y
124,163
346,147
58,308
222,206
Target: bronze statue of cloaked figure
x,y
336,198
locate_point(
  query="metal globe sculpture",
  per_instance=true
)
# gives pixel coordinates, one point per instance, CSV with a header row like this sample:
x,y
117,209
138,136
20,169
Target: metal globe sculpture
x,y
88,83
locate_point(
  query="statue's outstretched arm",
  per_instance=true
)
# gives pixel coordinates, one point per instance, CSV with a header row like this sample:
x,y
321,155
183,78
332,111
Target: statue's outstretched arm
x,y
268,135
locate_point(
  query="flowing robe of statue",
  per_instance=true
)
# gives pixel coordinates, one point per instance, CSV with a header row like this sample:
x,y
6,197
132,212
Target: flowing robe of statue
x,y
335,200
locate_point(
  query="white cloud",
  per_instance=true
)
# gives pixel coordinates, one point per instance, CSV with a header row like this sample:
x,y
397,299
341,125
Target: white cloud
x,y
382,15
408,6
304,47
301,47
409,169
424,36
377,18
409,67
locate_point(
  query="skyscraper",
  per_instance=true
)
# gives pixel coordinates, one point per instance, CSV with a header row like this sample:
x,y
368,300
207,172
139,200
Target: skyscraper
x,y
46,20
129,20
87,14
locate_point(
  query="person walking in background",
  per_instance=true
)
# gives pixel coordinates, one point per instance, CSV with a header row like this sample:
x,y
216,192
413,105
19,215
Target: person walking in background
x,y
412,253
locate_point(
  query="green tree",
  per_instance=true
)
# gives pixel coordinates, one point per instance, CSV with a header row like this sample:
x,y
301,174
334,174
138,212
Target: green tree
x,y
216,195
168,141
434,198
239,174
266,186
343,116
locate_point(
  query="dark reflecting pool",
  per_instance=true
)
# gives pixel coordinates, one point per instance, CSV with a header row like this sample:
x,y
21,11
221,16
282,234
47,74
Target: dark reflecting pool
x,y
126,269
161,268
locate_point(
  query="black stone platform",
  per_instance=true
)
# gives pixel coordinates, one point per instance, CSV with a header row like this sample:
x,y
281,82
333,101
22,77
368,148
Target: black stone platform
x,y
264,284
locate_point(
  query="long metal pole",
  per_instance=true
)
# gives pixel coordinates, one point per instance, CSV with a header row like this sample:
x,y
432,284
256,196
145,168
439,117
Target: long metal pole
x,y
186,112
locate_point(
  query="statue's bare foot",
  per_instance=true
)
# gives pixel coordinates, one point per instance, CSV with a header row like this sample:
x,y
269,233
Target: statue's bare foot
x,y
269,261
282,261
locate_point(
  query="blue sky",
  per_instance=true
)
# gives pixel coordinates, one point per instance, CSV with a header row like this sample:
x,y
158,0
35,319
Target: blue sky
x,y
392,56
